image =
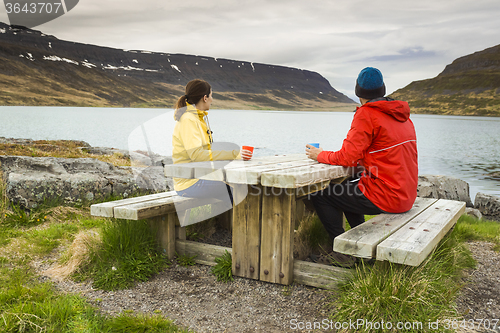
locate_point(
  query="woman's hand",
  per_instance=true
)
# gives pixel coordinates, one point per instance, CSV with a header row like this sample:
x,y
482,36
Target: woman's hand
x,y
313,152
246,155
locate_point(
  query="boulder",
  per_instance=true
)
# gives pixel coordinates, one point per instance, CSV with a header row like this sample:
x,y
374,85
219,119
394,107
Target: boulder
x,y
488,205
473,212
29,181
443,187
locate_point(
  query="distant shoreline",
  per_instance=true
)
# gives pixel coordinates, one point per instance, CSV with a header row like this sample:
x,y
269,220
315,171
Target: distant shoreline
x,y
342,108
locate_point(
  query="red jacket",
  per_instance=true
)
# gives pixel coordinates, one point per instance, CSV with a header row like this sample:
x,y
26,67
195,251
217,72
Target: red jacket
x,y
383,140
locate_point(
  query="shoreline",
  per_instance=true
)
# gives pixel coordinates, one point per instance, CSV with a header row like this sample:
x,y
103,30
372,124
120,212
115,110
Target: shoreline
x,y
341,108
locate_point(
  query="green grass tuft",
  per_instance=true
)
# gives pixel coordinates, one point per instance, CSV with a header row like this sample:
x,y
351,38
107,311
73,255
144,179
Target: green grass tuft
x,y
142,324
469,228
223,268
19,217
185,260
126,254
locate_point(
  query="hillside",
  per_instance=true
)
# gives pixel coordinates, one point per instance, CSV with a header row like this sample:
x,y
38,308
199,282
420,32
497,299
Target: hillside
x,y
470,85
38,69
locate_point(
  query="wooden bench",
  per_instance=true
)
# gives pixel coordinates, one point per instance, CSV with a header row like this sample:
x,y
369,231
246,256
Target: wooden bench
x,y
167,212
406,238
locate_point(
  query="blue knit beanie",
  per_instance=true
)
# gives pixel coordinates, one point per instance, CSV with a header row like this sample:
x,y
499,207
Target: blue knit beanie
x,y
370,84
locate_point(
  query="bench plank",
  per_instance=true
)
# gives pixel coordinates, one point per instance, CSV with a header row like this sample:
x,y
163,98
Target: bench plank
x,y
106,209
411,244
362,240
158,207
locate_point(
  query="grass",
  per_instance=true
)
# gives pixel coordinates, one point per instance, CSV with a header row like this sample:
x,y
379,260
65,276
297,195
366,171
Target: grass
x,y
470,229
28,305
186,260
59,148
126,253
387,292
311,237
223,267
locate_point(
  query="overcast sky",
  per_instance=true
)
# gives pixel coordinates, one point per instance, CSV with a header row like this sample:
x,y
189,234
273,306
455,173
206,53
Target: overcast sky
x,y
406,40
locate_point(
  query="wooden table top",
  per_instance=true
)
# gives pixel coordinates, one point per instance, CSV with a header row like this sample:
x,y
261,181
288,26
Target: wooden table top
x,y
282,171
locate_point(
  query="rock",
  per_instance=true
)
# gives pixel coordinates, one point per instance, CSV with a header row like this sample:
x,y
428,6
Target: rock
x,y
29,142
488,205
473,212
32,180
444,187
105,151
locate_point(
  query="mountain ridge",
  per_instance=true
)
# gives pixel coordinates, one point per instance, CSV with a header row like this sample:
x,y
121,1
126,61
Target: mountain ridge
x,y
40,69
470,85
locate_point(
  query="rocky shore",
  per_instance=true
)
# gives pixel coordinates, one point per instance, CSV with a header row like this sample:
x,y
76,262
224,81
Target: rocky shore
x,y
30,181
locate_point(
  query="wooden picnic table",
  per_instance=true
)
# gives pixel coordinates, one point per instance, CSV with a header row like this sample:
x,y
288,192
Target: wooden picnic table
x,y
264,221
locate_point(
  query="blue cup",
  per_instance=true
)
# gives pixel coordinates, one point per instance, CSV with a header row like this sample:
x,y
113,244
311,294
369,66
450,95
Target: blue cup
x,y
315,145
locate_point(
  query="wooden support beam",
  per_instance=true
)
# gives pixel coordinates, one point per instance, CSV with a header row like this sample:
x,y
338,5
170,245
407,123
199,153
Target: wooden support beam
x,y
308,273
278,221
205,253
246,234
164,229
318,275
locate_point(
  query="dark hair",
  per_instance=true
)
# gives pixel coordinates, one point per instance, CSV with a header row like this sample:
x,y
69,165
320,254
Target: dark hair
x,y
195,91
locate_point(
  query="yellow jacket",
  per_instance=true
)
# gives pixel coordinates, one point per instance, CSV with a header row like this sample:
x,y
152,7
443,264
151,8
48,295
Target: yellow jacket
x,y
191,143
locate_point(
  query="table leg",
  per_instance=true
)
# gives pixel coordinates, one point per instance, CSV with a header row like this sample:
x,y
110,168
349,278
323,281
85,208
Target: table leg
x,y
164,228
246,234
278,221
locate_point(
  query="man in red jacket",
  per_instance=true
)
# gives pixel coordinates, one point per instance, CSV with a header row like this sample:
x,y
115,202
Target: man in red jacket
x,y
382,141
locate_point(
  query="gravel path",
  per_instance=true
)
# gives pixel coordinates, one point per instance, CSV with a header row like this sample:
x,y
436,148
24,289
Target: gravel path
x,y
193,298
480,297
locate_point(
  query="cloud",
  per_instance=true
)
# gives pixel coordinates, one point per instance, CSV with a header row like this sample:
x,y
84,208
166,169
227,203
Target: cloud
x,y
407,54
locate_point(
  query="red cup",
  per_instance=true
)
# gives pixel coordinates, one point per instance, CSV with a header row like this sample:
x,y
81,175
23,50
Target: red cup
x,y
249,148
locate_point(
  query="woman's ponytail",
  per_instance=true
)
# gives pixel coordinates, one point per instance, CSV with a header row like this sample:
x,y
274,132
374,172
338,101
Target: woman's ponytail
x,y
195,90
180,107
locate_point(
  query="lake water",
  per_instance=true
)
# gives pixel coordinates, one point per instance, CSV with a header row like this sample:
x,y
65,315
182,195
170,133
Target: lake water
x,y
464,147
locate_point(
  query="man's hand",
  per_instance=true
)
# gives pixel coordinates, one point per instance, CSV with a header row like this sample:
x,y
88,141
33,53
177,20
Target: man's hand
x,y
313,152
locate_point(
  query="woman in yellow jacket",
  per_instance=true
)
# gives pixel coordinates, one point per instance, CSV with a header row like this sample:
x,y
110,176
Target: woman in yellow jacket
x,y
192,142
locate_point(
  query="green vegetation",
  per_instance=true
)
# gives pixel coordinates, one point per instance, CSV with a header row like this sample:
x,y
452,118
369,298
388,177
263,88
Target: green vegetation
x,y
223,267
470,229
19,217
185,260
126,253
59,148
28,305
396,293
311,237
